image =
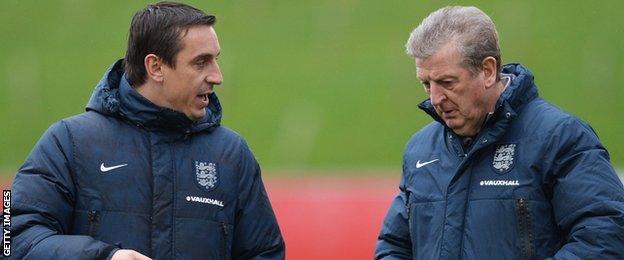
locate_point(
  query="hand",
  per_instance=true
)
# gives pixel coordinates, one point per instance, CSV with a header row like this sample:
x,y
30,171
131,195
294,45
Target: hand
x,y
127,254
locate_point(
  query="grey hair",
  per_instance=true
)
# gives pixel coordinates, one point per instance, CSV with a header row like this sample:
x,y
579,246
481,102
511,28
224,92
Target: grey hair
x,y
470,29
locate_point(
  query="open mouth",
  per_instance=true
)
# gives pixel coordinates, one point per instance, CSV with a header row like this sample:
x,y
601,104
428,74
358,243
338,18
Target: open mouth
x,y
204,97
202,100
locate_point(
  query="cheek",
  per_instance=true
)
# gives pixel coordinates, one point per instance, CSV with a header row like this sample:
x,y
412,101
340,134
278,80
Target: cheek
x,y
475,106
179,93
178,96
465,105
457,100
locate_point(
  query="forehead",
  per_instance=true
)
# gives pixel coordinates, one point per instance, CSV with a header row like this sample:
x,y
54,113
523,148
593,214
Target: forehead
x,y
199,40
446,61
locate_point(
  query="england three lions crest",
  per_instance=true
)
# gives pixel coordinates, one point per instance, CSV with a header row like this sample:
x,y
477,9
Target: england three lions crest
x,y
504,158
206,175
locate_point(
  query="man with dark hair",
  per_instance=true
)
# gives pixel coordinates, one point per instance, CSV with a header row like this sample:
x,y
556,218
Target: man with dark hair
x,y
501,173
147,171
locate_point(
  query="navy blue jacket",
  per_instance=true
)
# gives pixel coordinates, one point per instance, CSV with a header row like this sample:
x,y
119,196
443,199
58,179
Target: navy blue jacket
x,y
536,183
129,174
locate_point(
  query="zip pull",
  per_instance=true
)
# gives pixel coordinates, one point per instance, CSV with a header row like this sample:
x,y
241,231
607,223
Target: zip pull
x,y
92,215
407,203
408,210
93,218
224,229
187,134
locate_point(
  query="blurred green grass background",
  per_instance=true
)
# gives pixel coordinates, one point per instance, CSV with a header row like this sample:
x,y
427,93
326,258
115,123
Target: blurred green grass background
x,y
312,85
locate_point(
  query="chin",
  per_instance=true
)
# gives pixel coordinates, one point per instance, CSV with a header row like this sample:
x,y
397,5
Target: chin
x,y
458,130
452,125
465,132
196,116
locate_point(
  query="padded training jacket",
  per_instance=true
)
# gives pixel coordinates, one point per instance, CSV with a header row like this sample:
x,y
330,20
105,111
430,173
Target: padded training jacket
x,y
536,183
129,174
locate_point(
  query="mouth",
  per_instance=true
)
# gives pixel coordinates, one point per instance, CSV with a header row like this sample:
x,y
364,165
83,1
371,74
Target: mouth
x,y
448,113
203,98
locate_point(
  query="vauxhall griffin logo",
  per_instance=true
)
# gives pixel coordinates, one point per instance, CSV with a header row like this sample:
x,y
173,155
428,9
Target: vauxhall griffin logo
x,y
206,174
504,158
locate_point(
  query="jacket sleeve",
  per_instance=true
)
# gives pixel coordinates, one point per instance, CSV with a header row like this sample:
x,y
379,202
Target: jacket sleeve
x,y
43,202
587,196
394,241
256,232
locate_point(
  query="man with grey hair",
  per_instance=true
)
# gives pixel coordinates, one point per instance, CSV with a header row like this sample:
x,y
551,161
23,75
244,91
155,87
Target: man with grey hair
x,y
500,173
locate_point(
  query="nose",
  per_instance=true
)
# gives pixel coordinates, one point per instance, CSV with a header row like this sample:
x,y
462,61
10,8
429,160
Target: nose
x,y
436,94
214,75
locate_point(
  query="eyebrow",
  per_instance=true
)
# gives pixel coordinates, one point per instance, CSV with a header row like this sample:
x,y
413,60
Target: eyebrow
x,y
443,77
205,56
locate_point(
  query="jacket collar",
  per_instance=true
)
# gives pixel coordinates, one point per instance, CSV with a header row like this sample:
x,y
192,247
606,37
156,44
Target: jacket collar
x,y
114,96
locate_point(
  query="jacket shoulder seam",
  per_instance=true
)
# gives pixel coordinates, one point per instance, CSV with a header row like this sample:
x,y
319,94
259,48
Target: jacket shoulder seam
x,y
72,169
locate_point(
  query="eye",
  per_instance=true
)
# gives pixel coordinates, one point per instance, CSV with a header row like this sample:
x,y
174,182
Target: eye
x,y
447,83
201,63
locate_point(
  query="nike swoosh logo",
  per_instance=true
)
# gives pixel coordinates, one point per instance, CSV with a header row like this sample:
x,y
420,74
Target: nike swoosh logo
x,y
418,164
105,169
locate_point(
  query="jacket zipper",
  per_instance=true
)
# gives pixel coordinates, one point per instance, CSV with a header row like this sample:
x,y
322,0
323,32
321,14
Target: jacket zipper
x,y
173,184
224,240
93,218
407,210
525,227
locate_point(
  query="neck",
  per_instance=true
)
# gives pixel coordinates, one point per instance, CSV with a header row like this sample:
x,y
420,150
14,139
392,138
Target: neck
x,y
499,87
496,92
150,92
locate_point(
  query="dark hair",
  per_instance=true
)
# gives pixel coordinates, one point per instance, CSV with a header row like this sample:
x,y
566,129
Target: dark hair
x,y
158,29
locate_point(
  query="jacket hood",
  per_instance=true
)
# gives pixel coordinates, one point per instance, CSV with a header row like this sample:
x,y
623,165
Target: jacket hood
x,y
520,91
114,96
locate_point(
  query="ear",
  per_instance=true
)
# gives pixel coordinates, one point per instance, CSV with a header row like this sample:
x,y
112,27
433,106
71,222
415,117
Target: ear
x,y
153,67
489,71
